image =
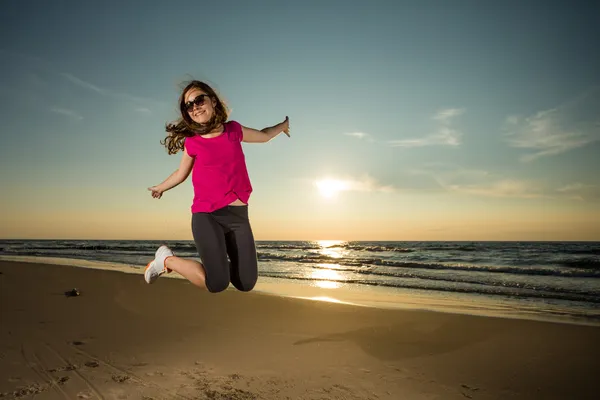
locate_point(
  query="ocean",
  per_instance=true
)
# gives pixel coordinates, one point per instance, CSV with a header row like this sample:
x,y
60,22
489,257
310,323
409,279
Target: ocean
x,y
560,279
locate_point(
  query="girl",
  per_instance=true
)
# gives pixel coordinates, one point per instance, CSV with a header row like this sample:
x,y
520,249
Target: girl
x,y
212,152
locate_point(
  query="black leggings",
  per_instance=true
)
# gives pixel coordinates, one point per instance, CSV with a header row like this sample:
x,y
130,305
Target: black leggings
x,y
221,233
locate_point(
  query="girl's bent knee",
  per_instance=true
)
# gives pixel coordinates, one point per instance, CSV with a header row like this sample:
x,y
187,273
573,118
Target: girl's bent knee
x,y
245,286
216,287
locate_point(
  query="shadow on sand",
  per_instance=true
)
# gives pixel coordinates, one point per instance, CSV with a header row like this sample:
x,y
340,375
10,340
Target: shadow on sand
x,y
413,339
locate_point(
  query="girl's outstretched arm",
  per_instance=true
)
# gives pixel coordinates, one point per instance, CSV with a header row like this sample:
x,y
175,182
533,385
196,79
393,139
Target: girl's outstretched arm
x,y
266,134
180,175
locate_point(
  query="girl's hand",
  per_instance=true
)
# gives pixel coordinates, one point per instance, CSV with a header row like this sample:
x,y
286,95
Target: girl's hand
x,y
285,126
156,192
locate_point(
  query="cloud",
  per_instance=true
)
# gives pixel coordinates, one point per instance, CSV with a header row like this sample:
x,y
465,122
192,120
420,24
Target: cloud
x,y
358,135
68,113
349,184
141,102
580,191
85,84
361,136
501,188
478,182
143,110
448,114
368,184
444,172
445,134
516,188
572,125
40,67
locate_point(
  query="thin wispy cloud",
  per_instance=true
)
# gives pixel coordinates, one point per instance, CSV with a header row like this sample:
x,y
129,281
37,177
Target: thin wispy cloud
x,y
450,172
361,136
84,84
456,180
436,177
67,113
502,188
364,183
49,67
580,191
143,110
140,101
445,134
358,135
368,184
479,182
570,126
448,114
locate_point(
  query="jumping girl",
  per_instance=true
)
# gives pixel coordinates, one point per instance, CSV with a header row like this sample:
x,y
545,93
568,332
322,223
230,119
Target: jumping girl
x,y
212,152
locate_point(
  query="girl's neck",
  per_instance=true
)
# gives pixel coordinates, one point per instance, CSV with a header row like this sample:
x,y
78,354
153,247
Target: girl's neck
x,y
215,132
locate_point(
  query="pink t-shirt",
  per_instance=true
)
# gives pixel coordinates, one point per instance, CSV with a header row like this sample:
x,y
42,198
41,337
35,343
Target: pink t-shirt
x,y
219,175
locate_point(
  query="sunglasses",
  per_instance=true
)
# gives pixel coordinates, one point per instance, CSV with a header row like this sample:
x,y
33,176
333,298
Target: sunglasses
x,y
198,101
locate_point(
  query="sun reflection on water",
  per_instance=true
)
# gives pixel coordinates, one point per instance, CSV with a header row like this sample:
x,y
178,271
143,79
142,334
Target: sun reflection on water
x,y
329,243
326,274
330,266
330,248
326,278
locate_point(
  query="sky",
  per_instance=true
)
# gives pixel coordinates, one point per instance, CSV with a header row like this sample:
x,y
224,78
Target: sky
x,y
410,120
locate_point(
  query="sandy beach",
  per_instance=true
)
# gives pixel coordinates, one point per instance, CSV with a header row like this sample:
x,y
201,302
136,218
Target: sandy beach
x,y
124,339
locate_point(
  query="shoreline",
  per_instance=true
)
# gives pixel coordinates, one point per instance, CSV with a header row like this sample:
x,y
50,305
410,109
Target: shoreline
x,y
363,295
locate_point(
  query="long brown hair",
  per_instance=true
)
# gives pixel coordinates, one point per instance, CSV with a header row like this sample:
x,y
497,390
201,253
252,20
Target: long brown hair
x,y
185,126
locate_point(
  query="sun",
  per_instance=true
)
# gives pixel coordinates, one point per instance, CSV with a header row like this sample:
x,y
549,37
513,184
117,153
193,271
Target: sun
x,y
330,187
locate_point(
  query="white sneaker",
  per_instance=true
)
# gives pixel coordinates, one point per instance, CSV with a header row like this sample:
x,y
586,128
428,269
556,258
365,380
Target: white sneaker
x,y
157,266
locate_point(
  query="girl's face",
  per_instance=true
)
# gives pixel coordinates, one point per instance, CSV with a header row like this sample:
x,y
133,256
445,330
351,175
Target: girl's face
x,y
199,106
